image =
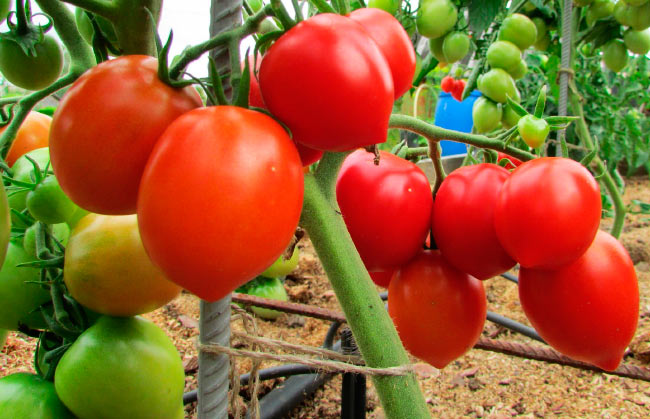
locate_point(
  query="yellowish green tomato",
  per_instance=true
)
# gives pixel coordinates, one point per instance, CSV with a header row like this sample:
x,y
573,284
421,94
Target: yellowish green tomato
x,y
599,9
435,47
519,71
497,85
540,25
436,17
390,6
623,13
282,266
5,5
640,17
533,130
615,55
271,288
48,203
636,2
503,54
637,41
486,115
455,46
519,30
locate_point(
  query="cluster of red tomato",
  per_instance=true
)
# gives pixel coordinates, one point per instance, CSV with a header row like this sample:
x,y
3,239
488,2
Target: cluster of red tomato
x,y
453,86
577,287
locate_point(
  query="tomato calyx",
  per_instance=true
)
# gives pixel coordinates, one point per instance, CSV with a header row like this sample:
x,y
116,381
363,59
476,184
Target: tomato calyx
x,y
24,32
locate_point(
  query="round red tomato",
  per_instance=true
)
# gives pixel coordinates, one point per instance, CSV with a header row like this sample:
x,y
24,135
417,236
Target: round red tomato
x,y
439,311
328,81
587,310
254,94
33,133
381,278
463,220
513,161
394,43
548,212
220,198
105,127
386,207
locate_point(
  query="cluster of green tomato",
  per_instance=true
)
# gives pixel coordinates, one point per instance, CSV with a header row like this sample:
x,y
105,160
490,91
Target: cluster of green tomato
x,y
633,14
436,20
504,56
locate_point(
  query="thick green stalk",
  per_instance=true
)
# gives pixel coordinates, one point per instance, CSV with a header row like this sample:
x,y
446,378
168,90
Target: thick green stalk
x,y
434,133
133,26
585,137
373,329
104,8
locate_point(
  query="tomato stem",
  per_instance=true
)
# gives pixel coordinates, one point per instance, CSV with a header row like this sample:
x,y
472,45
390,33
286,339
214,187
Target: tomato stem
x,y
104,8
323,6
434,155
372,327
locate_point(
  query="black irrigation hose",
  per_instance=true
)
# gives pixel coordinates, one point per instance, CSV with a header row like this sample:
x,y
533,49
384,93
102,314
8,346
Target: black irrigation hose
x,y
513,325
510,277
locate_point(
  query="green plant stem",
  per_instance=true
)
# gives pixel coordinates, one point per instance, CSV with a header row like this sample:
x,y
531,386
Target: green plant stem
x,y
369,321
282,14
434,133
194,52
328,169
607,180
104,8
434,155
323,6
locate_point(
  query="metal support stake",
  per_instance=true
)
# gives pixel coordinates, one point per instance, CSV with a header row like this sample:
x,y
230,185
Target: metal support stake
x,y
353,390
214,324
567,29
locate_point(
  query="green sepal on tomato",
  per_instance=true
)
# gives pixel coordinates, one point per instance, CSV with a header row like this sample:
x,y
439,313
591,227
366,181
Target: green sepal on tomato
x,y
533,130
28,396
61,232
122,367
588,309
265,287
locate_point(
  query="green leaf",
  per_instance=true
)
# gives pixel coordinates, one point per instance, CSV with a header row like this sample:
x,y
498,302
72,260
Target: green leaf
x,y
482,13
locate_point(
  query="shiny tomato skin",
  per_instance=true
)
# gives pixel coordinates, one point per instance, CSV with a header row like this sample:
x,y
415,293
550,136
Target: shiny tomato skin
x,y
28,396
548,212
254,93
394,43
381,278
107,270
387,208
237,187
587,310
105,128
328,81
438,311
463,220
33,133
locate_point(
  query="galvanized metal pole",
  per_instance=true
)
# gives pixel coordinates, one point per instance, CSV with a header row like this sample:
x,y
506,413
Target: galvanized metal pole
x,y
567,29
214,324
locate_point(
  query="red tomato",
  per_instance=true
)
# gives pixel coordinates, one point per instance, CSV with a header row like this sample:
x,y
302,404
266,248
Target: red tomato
x,y
328,81
439,311
105,128
33,133
381,278
548,212
387,208
394,43
514,162
463,220
254,94
308,155
587,310
457,92
447,84
220,198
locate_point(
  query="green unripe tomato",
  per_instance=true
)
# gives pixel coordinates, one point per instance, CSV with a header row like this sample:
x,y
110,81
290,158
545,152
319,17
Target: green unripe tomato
x,y
637,41
519,30
455,46
435,47
615,55
435,18
486,115
48,203
418,66
540,25
519,71
533,130
23,167
542,44
31,72
282,267
636,2
599,9
623,13
497,84
390,6
582,3
60,231
5,6
503,54
3,337
86,27
25,395
640,17
510,117
76,216
271,288
529,7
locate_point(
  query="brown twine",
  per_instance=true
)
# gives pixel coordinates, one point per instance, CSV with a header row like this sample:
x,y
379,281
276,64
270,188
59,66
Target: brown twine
x,y
568,71
250,326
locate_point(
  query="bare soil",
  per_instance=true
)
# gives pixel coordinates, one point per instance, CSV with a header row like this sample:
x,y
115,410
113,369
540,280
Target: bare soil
x,y
479,384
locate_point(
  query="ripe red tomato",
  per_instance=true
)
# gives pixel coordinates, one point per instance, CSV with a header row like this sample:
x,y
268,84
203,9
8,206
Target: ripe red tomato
x,y
514,162
463,220
33,133
308,155
447,84
220,198
548,212
254,93
105,127
394,43
387,208
381,278
328,81
457,91
587,310
439,311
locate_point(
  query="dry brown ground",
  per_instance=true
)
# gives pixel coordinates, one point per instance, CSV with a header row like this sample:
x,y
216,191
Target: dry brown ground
x,y
479,384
